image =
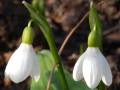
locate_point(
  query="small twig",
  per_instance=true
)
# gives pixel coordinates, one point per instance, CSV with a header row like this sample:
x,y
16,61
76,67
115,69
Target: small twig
x,y
111,30
50,77
71,32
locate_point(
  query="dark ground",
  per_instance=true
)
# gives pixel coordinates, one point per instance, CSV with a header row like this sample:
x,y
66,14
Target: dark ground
x,y
63,15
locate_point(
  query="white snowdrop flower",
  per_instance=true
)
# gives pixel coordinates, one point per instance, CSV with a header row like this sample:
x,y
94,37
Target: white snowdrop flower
x,y
93,67
23,63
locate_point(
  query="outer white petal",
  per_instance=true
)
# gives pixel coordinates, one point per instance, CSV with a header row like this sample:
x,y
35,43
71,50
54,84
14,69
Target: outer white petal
x,y
107,75
77,71
35,74
20,64
92,68
106,72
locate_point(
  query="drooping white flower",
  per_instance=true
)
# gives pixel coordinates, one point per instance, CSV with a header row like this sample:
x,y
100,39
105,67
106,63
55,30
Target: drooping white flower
x,y
23,63
93,67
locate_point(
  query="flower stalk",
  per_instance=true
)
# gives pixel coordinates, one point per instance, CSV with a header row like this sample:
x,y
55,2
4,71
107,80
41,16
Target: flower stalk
x,y
47,31
23,62
96,33
92,65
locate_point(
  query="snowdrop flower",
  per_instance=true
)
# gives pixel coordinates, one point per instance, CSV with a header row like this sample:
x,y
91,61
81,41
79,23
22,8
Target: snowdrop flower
x,y
24,61
92,66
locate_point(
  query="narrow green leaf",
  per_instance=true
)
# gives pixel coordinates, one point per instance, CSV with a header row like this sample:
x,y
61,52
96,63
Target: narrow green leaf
x,y
37,17
39,5
81,49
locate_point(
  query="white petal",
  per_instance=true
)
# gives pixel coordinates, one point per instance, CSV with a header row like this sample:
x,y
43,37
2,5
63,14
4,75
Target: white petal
x,y
77,71
35,74
92,68
107,75
20,64
106,72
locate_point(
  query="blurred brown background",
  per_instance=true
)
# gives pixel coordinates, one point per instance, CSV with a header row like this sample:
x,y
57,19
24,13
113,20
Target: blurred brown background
x,y
63,15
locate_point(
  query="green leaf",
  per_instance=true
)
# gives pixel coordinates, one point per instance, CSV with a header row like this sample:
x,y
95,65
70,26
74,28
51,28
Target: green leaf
x,y
46,66
46,63
37,17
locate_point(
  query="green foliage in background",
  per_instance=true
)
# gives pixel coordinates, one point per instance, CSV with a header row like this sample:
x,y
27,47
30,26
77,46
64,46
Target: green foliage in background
x,y
46,66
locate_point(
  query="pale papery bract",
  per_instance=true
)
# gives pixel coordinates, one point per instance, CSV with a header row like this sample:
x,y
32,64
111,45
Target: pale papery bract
x,y
23,63
93,67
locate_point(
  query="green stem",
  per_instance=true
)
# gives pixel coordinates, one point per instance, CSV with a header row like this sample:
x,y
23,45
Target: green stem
x,y
47,31
53,49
